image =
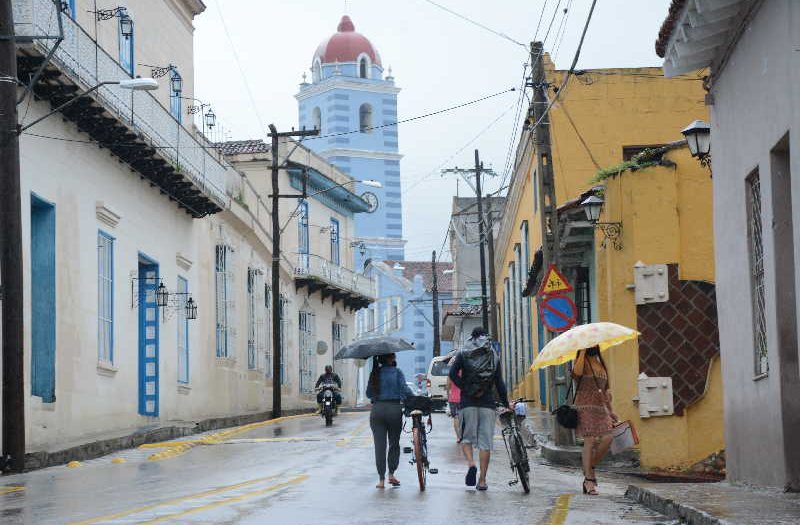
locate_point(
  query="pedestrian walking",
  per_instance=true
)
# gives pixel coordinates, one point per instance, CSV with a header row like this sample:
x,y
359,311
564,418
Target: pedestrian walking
x,y
476,371
386,389
454,404
596,418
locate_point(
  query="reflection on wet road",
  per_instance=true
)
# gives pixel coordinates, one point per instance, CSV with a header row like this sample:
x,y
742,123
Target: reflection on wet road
x,y
296,471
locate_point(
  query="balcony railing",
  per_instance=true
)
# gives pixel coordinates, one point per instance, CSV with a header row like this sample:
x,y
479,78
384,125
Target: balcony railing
x,y
334,276
80,58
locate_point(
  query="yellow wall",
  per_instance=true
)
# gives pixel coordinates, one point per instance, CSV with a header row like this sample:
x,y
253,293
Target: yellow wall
x,y
666,215
666,218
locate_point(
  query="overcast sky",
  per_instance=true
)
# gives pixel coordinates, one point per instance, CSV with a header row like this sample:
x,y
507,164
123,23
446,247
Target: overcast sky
x,y
439,61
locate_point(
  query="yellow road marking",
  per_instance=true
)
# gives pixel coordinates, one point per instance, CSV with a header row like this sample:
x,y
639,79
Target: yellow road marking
x,y
177,448
173,501
9,490
561,509
234,499
354,434
273,440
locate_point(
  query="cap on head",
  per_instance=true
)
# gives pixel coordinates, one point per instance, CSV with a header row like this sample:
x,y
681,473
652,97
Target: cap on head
x,y
478,331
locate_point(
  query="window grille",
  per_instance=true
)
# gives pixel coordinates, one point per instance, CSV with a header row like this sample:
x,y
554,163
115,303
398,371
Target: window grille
x,y
302,235
284,314
756,248
267,330
224,300
183,332
335,247
105,298
256,330
307,351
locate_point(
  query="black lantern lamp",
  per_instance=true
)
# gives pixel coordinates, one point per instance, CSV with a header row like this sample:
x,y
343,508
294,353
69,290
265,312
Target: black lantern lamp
x,y
698,138
612,231
176,82
190,308
210,119
125,24
162,295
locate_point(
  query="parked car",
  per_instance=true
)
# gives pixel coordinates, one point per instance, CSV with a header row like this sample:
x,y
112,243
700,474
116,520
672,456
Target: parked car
x,y
437,381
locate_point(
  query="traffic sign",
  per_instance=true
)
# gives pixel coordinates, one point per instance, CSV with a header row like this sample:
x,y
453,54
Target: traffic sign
x,y
554,282
558,313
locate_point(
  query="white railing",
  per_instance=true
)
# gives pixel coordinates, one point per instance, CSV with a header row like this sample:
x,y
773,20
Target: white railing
x,y
80,58
333,274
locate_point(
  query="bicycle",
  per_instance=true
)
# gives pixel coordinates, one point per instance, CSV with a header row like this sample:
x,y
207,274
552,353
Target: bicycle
x,y
515,447
416,408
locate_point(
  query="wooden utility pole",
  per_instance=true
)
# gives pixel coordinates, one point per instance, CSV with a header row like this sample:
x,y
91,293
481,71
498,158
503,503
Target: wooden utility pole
x,y
493,330
277,328
548,205
11,289
437,341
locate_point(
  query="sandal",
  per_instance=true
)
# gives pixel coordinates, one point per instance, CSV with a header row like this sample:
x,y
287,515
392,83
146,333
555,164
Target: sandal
x,y
394,482
481,487
591,491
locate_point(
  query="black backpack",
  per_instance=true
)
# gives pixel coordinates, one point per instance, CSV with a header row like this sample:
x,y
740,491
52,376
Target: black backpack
x,y
480,366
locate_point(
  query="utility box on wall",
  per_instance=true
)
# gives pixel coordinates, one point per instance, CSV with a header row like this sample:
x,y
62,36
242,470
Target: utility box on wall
x,y
655,396
651,283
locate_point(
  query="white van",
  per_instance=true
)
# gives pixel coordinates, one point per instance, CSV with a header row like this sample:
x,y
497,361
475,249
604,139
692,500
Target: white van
x,y
437,380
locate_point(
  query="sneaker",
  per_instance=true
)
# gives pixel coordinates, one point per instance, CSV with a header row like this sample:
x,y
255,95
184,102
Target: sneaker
x,y
472,475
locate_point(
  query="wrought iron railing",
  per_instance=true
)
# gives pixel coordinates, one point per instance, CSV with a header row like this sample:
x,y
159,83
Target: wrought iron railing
x,y
335,275
80,58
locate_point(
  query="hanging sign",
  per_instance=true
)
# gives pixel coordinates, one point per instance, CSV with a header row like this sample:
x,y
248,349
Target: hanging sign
x,y
558,313
554,283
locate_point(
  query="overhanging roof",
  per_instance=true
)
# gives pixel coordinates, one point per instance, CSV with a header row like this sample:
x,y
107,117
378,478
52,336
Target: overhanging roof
x,y
696,33
317,182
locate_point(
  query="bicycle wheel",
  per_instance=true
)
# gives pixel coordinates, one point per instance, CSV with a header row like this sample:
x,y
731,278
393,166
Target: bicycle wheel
x,y
521,463
419,456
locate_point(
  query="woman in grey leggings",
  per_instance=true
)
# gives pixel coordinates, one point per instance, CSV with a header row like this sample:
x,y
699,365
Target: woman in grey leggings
x,y
386,389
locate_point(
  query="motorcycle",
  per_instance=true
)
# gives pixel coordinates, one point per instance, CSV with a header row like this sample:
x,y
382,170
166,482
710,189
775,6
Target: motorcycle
x,y
329,407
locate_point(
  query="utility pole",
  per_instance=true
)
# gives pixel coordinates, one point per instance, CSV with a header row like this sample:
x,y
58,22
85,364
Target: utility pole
x,y
547,203
11,288
477,171
277,328
437,341
493,331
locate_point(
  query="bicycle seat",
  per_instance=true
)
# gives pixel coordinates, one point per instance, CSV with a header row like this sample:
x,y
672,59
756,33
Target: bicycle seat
x,y
416,412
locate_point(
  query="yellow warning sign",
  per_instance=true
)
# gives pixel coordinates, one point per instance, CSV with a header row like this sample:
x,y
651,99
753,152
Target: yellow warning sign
x,y
554,282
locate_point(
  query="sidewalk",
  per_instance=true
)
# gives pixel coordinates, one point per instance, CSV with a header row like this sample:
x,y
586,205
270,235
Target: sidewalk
x,y
717,503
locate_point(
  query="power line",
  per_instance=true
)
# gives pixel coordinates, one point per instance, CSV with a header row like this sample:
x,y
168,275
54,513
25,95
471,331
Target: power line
x,y
462,148
549,27
541,17
563,29
473,22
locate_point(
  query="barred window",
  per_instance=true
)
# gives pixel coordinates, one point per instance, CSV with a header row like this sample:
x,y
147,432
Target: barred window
x,y
105,298
756,248
183,332
224,299
256,330
308,342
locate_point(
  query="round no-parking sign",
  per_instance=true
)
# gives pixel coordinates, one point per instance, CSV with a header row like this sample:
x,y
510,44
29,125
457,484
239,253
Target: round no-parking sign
x,y
558,313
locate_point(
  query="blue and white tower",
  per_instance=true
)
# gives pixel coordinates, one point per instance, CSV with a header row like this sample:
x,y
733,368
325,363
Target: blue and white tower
x,y
355,108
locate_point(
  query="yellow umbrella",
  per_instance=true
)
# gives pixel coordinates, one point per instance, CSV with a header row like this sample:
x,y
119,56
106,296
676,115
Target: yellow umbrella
x,y
565,347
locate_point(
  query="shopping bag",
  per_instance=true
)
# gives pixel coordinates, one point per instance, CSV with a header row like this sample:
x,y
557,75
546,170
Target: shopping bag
x,y
625,437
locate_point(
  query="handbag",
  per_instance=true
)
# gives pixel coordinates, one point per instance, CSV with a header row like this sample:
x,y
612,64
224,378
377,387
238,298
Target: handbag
x,y
624,437
567,414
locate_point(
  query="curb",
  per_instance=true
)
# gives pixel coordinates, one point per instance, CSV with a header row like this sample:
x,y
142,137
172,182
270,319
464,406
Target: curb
x,y
96,449
571,457
671,508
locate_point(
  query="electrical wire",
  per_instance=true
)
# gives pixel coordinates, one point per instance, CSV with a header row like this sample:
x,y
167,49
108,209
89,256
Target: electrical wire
x,y
562,30
550,26
478,24
451,157
541,17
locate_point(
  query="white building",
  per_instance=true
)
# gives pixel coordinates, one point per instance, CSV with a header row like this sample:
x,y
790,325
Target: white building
x,y
751,49
125,199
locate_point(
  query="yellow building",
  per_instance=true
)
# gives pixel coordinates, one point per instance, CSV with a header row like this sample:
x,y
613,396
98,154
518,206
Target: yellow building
x,y
604,122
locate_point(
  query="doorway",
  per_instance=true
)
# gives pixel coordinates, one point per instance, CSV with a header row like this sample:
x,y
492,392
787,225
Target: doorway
x,y
148,280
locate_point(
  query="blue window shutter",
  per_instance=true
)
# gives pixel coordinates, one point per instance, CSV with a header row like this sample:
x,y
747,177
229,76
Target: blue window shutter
x,y
43,300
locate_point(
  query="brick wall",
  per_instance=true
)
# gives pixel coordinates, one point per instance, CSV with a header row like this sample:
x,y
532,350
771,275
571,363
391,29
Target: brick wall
x,y
680,337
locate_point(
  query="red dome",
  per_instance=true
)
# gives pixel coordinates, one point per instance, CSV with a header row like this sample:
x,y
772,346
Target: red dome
x,y
346,45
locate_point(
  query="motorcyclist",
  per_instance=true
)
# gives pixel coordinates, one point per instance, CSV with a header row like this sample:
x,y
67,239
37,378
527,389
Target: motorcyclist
x,y
329,377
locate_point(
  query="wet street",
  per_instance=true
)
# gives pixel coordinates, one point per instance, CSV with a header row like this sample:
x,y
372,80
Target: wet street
x,y
296,471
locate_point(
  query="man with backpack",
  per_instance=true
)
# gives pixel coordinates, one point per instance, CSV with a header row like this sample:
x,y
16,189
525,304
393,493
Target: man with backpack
x,y
476,371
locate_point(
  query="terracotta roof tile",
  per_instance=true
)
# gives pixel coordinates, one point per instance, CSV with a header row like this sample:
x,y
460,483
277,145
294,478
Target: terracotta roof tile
x,y
668,27
237,147
423,268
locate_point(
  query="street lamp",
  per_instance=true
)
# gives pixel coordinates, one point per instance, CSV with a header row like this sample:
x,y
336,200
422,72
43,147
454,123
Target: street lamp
x,y
612,231
210,119
698,138
176,82
134,84
162,295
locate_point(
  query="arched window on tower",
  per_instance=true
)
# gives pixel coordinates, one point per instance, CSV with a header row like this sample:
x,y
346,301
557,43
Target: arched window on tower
x,y
363,68
365,118
316,118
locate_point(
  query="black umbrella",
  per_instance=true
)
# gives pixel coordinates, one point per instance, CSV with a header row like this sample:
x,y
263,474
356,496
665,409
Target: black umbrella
x,y
372,346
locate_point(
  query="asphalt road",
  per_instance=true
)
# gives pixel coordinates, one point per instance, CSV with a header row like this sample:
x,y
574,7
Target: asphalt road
x,y
296,471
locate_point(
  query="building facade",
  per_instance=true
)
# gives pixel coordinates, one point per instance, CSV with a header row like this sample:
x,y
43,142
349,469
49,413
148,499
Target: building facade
x,y
596,132
405,309
147,253
754,140
354,105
